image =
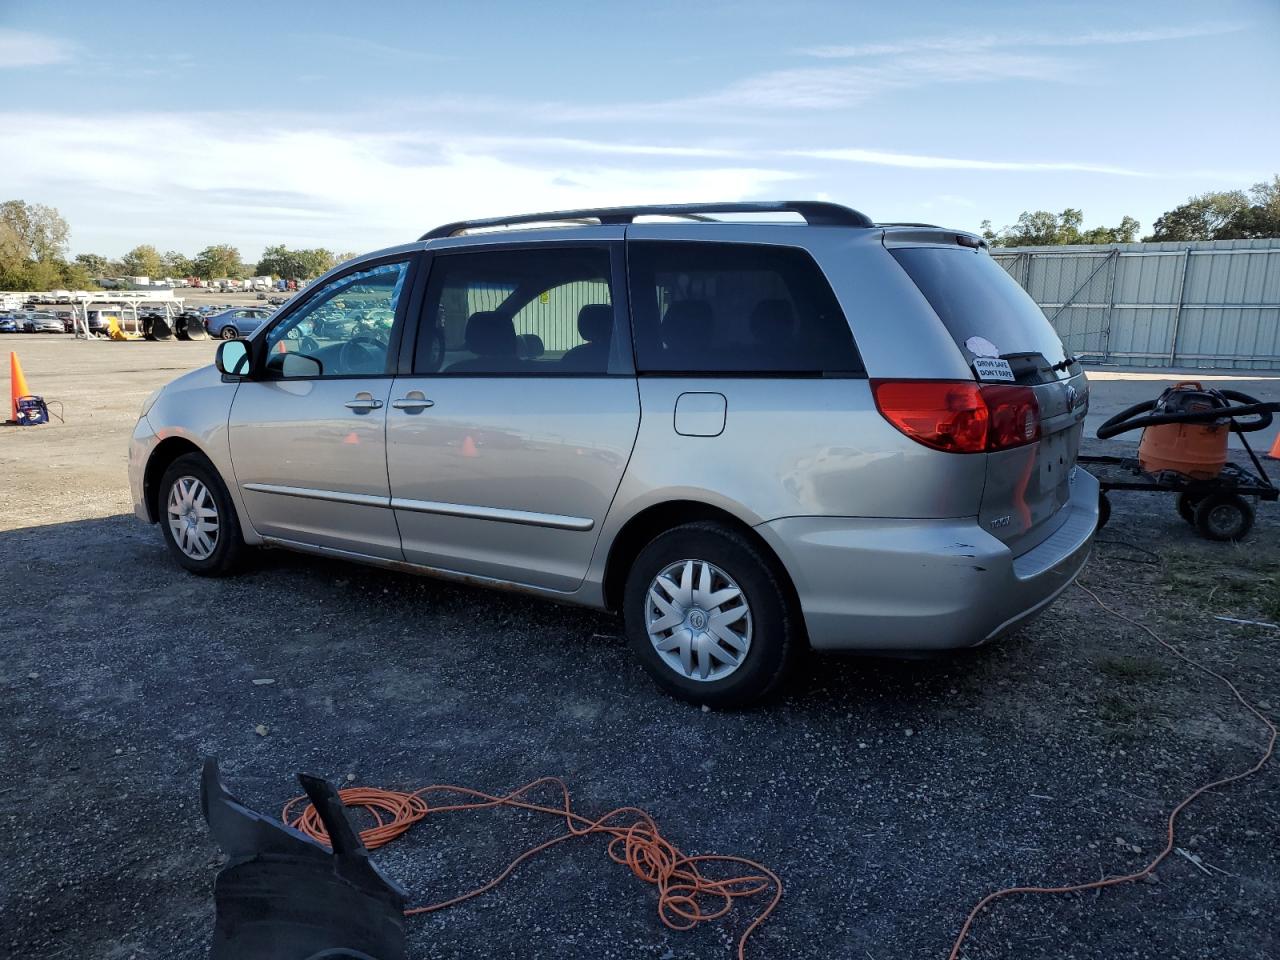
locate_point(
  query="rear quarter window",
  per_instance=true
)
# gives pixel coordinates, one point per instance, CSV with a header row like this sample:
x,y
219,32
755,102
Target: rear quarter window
x,y
735,308
974,296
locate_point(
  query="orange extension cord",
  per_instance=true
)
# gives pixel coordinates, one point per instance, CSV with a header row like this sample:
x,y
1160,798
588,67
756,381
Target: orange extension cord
x,y
686,897
683,891
1173,814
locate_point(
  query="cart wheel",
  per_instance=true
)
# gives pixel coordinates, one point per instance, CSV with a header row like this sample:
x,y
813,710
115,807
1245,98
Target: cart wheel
x,y
1104,509
1187,507
1224,516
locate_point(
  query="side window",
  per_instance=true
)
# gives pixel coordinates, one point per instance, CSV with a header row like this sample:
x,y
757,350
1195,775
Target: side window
x,y
735,308
345,325
539,311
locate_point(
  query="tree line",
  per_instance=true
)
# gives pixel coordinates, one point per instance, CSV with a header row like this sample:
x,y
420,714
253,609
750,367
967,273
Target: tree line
x,y
1217,215
33,256
34,238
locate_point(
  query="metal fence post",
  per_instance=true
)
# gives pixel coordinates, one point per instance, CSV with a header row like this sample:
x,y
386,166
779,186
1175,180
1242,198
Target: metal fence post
x,y
1111,304
1177,311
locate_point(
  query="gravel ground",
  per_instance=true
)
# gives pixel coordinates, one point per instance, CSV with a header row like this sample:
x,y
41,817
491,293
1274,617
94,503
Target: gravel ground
x,y
888,795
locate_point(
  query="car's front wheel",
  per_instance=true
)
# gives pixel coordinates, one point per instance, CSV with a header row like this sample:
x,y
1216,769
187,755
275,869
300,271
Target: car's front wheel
x,y
230,333
198,518
708,616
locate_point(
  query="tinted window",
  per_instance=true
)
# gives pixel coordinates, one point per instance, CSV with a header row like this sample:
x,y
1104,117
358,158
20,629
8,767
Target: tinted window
x,y
735,308
975,297
346,324
542,311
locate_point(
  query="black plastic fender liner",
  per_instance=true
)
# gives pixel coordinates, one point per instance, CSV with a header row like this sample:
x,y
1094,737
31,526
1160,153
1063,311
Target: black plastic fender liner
x,y
282,896
159,329
189,326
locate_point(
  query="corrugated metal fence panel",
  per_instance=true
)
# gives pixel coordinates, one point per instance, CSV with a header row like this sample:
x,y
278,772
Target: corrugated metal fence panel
x,y
1202,304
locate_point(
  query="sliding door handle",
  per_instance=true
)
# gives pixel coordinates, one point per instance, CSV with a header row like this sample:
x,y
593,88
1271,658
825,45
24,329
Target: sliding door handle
x,y
363,401
413,401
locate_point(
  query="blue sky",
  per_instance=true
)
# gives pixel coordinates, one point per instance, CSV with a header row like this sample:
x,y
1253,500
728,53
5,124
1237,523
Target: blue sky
x,y
355,126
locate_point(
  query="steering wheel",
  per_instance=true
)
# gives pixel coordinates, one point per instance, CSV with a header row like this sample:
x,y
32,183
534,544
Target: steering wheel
x,y
363,354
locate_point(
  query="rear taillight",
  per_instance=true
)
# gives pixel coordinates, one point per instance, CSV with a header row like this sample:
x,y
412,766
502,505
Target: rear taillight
x,y
1015,416
960,416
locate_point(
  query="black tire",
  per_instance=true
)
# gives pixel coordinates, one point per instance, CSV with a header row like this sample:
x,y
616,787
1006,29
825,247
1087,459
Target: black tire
x,y
1187,507
775,630
229,333
1224,517
1104,509
229,547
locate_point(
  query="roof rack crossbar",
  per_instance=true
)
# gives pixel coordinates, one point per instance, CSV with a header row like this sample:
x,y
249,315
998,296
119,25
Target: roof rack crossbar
x,y
816,213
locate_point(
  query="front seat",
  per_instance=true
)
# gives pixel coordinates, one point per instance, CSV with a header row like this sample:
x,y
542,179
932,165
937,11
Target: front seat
x,y
595,325
492,338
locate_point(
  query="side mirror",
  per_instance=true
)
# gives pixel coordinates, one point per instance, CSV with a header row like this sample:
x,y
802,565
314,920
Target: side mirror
x,y
232,358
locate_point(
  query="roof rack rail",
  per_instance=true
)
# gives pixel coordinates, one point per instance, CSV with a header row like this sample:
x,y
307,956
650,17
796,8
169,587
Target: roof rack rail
x,y
816,213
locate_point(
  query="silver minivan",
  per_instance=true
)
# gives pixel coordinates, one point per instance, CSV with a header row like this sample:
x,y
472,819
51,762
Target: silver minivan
x,y
747,427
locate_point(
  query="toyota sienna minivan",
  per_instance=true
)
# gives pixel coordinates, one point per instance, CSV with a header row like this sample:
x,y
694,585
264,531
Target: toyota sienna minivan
x,y
743,433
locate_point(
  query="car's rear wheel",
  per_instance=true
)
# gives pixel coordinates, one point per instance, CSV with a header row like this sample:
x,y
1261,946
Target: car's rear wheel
x,y
708,616
230,333
198,519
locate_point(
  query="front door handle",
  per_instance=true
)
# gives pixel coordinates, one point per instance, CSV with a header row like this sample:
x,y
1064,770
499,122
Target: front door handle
x,y
414,400
363,401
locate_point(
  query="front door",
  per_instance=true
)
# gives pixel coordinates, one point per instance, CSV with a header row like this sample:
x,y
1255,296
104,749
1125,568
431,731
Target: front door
x,y
308,436
506,444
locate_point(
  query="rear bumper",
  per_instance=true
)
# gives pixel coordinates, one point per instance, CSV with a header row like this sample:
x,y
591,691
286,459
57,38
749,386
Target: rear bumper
x,y
916,585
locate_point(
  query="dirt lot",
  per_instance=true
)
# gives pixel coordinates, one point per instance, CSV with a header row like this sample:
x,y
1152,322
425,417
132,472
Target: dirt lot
x,y
888,795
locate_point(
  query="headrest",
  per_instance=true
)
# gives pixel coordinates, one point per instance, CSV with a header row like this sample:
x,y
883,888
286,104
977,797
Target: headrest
x,y
687,324
595,322
490,334
772,320
529,346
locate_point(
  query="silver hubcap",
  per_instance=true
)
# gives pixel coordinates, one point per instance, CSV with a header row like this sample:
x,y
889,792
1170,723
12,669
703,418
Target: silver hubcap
x,y
698,620
193,518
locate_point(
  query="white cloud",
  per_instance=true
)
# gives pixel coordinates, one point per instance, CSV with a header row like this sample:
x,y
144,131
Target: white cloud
x,y
186,181
925,162
917,161
821,88
19,48
974,42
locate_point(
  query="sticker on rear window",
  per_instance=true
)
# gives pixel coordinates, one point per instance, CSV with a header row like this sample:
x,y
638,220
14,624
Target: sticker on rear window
x,y
982,347
993,368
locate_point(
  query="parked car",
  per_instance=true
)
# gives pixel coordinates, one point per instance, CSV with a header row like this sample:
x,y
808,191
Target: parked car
x,y
8,324
43,322
236,322
744,437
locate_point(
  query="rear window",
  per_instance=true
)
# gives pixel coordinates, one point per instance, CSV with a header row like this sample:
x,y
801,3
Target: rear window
x,y
735,308
976,298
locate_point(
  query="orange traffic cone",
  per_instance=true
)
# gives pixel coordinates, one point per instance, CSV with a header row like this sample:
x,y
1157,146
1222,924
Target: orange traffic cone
x,y
1275,449
469,447
281,348
17,385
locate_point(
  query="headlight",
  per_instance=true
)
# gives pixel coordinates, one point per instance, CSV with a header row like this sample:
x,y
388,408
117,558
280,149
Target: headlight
x,y
148,403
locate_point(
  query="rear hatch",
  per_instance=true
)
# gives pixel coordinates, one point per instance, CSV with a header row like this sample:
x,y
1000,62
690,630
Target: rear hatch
x,y
992,319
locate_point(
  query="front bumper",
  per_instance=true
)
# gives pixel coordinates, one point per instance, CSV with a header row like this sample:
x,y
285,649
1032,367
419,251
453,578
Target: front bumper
x,y
144,440
918,585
